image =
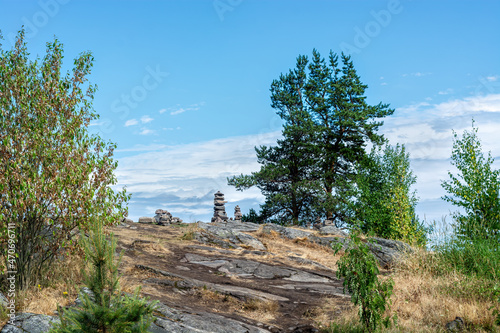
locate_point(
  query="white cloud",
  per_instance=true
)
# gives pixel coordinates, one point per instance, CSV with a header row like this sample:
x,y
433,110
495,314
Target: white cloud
x,y
383,84
446,92
417,74
492,78
180,175
146,119
131,122
146,131
97,123
426,131
183,178
141,148
178,111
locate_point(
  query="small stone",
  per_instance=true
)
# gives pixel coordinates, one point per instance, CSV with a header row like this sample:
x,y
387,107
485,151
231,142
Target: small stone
x,y
456,325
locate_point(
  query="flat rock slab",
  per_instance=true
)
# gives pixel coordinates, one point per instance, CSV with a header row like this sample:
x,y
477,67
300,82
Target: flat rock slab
x,y
253,269
188,283
175,321
239,226
227,236
386,251
318,288
30,323
169,320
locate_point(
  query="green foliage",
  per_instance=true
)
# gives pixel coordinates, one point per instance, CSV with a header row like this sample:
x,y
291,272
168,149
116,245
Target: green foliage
x,y
480,258
252,216
54,175
496,311
358,267
475,189
327,124
385,204
344,328
108,310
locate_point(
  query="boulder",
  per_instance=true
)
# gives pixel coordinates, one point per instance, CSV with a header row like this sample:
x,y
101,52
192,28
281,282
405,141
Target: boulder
x,y
226,237
456,325
146,219
387,251
30,323
127,220
332,230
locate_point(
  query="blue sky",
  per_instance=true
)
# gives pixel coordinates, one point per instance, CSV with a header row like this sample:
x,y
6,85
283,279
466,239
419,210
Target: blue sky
x,y
184,85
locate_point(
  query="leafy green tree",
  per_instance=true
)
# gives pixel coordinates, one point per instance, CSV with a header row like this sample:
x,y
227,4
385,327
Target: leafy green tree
x,y
106,310
358,267
475,189
385,203
54,175
252,216
327,126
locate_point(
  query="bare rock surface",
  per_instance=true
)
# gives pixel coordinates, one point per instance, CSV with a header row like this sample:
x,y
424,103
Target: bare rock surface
x,y
31,323
386,251
230,261
228,236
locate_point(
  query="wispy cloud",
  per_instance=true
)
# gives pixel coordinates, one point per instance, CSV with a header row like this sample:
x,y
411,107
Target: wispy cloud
x,y
446,92
178,109
417,74
146,119
183,178
97,123
178,176
492,78
146,131
142,148
131,122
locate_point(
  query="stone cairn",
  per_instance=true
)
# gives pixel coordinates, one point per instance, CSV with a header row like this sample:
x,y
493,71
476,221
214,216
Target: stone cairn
x,y
162,217
237,214
219,208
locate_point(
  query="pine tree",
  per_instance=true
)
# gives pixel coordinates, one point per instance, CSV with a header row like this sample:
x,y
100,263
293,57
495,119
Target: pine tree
x,y
327,124
108,310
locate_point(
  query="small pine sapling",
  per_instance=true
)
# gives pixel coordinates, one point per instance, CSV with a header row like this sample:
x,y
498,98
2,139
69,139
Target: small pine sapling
x,y
107,310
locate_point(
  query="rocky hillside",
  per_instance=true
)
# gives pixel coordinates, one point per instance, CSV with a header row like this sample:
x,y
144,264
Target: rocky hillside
x,y
230,276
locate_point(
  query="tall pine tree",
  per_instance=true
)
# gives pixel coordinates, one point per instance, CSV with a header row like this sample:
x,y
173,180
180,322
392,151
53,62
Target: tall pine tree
x,y
327,124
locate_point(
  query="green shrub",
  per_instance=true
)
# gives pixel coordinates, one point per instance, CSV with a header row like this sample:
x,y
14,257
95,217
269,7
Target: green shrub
x,y
108,310
475,189
358,267
479,258
385,202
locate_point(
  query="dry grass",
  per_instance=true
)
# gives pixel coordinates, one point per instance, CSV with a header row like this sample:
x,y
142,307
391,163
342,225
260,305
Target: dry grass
x,y
423,301
284,248
255,309
59,287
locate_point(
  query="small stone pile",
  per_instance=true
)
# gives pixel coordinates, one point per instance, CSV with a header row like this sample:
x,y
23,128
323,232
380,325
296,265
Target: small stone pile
x,y
237,214
219,208
162,217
